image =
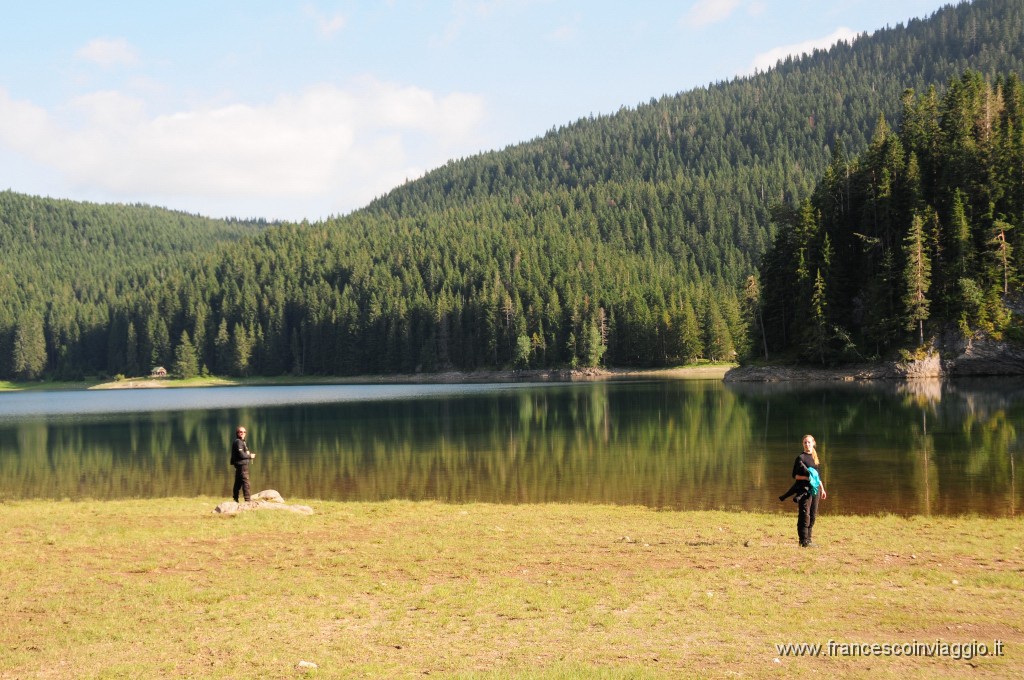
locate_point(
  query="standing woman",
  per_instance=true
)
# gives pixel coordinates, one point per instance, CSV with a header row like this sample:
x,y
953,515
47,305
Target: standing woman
x,y
809,501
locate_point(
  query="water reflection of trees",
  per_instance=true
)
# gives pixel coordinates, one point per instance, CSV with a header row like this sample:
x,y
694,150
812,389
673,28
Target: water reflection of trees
x,y
627,444
914,447
944,450
664,445
127,456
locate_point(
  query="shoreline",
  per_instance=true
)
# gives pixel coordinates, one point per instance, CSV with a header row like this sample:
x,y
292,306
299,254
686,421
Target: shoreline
x,y
853,373
694,372
929,368
700,372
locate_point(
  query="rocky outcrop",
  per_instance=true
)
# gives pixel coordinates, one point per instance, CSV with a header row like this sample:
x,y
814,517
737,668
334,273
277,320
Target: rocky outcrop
x,y
954,357
982,355
928,367
264,500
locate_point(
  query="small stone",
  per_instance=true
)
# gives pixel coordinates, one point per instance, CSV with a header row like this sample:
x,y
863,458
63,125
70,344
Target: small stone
x,y
307,665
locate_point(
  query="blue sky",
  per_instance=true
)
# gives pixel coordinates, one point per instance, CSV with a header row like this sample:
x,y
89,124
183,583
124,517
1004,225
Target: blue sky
x,y
292,110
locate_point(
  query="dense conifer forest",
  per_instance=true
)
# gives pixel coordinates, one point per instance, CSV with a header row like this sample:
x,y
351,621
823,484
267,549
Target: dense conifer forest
x,y
69,269
631,239
914,238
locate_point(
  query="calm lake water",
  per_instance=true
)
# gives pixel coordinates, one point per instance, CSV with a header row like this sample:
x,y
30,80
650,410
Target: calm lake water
x,y
929,448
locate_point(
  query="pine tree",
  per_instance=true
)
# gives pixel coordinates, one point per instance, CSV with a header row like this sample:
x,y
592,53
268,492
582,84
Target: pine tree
x,y
222,350
594,348
816,332
690,332
916,278
186,363
132,366
29,351
753,309
241,350
961,251
1002,251
159,343
718,341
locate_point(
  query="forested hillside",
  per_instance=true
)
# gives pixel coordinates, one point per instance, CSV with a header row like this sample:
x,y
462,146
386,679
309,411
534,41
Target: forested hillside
x,y
67,265
918,233
625,239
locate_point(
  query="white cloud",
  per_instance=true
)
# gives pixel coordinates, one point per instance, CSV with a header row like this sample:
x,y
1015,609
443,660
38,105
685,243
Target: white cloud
x,y
706,12
107,52
326,26
769,59
324,146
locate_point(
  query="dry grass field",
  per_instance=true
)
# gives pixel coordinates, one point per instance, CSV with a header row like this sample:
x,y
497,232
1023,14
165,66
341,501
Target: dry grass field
x,y
165,588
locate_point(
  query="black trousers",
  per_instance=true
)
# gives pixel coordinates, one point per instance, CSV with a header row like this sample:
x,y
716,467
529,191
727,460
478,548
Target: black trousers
x,y
241,482
808,512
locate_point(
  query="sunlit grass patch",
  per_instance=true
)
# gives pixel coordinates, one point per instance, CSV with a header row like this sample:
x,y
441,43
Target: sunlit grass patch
x,y
400,589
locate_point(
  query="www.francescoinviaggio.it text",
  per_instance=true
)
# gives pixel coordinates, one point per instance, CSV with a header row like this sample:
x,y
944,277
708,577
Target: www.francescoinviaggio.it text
x,y
938,648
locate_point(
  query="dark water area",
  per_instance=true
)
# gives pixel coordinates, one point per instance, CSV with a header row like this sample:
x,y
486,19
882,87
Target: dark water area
x,y
925,448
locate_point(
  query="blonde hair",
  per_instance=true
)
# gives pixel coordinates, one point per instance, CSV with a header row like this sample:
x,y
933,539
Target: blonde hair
x,y
814,448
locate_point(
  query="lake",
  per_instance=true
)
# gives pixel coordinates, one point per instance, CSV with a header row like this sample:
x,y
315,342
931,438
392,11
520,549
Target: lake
x,y
904,448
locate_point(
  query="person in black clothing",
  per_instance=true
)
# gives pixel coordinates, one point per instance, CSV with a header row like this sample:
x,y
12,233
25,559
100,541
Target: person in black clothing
x,y
800,488
240,457
807,503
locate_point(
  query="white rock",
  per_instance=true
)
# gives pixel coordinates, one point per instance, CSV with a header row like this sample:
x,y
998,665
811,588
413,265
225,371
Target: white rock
x,y
227,508
264,500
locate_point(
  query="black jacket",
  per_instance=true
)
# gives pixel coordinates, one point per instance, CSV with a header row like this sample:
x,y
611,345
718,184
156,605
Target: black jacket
x,y
240,452
802,463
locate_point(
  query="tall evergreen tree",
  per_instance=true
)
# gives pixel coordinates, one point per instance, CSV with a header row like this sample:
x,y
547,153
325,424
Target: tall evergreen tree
x,y
223,361
186,363
241,350
29,352
816,331
1002,252
916,278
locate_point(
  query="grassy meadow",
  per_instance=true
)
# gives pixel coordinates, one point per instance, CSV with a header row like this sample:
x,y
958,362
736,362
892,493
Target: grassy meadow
x,y
167,588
